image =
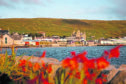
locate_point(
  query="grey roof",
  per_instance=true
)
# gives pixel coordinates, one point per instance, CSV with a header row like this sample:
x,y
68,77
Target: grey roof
x,y
16,37
4,31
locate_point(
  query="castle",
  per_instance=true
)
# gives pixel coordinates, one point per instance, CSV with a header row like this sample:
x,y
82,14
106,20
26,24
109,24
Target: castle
x,y
79,35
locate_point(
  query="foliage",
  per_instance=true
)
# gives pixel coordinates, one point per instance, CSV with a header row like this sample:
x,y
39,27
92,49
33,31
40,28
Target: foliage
x,y
75,70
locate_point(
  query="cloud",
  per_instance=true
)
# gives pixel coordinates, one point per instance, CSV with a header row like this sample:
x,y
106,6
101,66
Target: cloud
x,y
8,3
4,3
120,9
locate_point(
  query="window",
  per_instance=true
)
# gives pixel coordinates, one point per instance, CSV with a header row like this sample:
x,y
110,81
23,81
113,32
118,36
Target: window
x,y
5,40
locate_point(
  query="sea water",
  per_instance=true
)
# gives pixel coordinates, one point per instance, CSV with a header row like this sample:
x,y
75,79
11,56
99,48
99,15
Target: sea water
x,y
62,52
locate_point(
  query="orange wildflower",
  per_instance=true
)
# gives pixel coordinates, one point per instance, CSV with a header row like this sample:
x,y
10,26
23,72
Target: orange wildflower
x,y
73,53
45,82
81,57
43,54
65,63
89,75
49,68
22,63
85,81
70,63
29,64
89,64
77,75
114,52
23,69
103,75
43,64
101,63
73,64
36,67
98,81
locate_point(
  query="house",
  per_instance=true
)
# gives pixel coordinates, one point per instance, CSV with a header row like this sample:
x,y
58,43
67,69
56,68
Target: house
x,y
31,42
106,42
91,43
55,39
17,39
70,40
6,39
38,38
26,37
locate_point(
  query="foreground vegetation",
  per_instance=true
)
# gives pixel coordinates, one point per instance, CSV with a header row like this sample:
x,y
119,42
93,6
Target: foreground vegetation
x,y
75,70
64,27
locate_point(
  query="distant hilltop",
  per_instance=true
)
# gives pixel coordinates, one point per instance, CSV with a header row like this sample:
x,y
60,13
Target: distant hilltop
x,y
94,29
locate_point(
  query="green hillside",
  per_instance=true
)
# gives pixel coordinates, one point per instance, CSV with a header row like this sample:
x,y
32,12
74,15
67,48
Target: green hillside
x,y
65,27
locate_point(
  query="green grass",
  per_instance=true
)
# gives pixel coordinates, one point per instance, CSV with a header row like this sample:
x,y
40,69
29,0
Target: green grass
x,y
65,27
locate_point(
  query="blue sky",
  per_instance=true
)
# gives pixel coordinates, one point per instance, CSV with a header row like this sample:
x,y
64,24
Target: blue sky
x,y
68,9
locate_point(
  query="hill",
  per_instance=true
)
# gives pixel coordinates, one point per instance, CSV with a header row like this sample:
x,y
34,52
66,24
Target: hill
x,y
64,27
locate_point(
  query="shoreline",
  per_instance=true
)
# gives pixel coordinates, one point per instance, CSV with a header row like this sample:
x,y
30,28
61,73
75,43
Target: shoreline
x,y
51,46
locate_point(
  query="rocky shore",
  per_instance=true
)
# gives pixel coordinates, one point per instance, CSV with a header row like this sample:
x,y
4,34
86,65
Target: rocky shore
x,y
115,74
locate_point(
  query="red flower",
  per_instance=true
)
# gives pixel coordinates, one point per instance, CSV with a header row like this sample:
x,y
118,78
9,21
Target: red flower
x,y
106,53
82,57
43,64
45,82
73,64
73,53
89,75
36,67
104,80
98,81
114,52
23,69
29,64
85,81
43,54
90,64
22,63
103,75
49,68
65,63
70,63
101,63
77,75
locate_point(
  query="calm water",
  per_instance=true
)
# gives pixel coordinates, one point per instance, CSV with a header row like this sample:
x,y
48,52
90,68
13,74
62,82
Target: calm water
x,y
63,52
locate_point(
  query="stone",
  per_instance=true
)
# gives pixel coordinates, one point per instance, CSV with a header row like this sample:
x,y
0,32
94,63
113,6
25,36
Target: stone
x,y
110,67
120,78
122,67
111,74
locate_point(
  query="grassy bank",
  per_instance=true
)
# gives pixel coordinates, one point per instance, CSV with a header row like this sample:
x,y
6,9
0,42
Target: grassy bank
x,y
65,27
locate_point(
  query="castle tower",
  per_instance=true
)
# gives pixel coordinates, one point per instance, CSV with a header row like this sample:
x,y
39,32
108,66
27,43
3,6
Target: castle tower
x,y
84,36
78,34
73,33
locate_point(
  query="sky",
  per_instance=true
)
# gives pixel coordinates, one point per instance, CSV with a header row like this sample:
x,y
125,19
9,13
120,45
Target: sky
x,y
66,9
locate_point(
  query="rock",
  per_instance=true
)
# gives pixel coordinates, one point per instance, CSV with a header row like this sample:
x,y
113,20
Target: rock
x,y
34,59
111,74
122,68
120,78
110,67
